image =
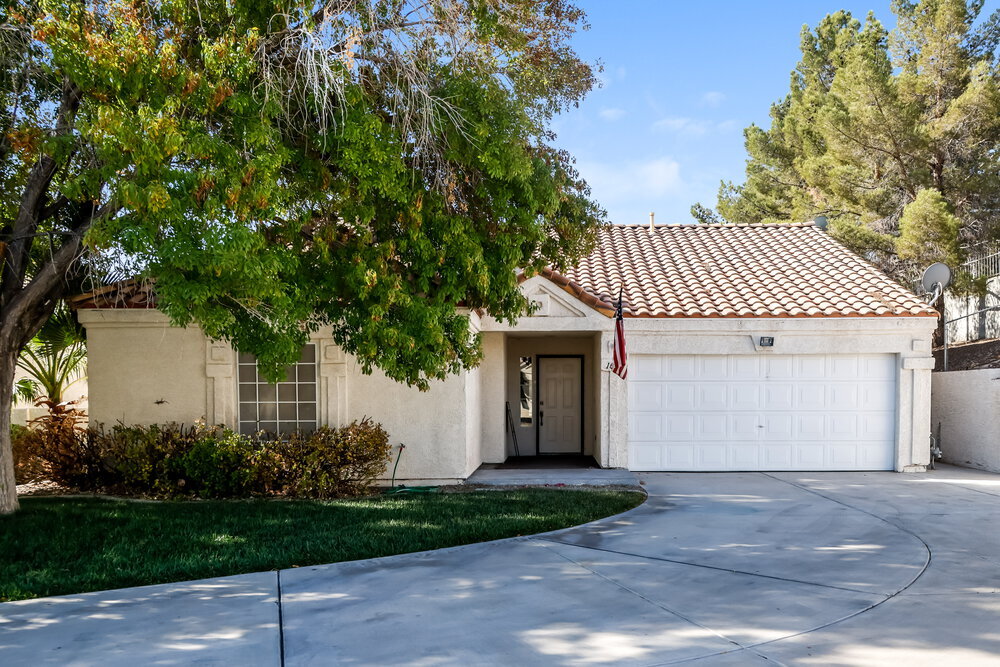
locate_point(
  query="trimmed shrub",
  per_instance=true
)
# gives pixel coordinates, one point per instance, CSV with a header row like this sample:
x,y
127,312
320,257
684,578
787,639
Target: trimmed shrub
x,y
335,463
207,462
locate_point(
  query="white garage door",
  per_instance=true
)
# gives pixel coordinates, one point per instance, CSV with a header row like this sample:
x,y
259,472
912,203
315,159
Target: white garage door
x,y
762,412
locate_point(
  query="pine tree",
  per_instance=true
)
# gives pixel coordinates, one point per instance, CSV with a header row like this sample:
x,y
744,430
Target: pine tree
x,y
893,137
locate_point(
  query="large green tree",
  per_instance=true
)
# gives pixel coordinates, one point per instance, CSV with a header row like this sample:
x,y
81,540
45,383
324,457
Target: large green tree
x,y
894,137
280,165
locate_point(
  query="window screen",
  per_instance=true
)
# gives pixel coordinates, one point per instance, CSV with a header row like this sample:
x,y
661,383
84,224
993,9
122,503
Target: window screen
x,y
287,406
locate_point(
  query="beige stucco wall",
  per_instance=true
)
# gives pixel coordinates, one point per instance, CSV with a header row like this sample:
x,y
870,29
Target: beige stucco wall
x,y
492,394
967,406
144,371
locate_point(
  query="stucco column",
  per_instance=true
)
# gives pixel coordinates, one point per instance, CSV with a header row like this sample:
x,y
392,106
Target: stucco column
x,y
220,373
332,376
492,398
613,422
918,457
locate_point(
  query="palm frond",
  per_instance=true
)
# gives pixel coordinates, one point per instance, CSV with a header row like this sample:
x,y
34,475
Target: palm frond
x,y
56,357
25,390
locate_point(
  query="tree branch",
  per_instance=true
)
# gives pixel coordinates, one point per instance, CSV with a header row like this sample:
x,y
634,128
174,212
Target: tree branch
x,y
14,265
47,281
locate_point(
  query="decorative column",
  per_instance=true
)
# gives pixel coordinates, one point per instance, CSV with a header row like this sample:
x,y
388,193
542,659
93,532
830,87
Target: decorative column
x,y
919,371
220,372
332,385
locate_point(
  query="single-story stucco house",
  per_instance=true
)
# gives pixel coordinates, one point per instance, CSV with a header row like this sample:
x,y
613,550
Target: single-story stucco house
x,y
751,347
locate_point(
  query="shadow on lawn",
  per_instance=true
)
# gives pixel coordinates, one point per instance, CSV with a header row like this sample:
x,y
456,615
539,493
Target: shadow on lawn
x,y
67,545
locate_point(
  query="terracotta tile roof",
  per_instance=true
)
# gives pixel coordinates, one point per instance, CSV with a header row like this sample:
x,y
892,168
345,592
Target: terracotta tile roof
x,y
790,270
123,294
787,270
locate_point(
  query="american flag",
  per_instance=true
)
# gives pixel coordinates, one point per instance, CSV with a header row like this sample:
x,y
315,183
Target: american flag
x,y
619,364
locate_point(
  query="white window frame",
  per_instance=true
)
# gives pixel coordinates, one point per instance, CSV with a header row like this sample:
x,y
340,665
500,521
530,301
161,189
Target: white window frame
x,y
307,414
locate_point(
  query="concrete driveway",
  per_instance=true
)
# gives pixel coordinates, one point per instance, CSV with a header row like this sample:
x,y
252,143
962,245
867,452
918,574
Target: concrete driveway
x,y
715,569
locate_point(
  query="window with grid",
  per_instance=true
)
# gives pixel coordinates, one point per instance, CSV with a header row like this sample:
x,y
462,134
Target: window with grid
x,y
287,406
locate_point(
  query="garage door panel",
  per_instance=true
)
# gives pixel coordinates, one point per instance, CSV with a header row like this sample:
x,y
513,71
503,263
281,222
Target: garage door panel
x,y
744,368
841,456
744,396
744,457
713,396
809,456
777,456
713,367
654,396
879,366
779,396
810,426
682,396
646,426
777,427
873,456
842,427
646,367
646,456
810,397
682,368
711,456
842,367
842,396
876,396
683,456
680,427
877,426
743,427
779,367
810,368
763,412
712,427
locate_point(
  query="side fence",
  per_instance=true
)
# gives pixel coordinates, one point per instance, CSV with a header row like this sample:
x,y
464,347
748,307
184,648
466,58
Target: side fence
x,y
972,318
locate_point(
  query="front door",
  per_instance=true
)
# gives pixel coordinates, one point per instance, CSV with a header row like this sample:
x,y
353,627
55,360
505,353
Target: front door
x,y
560,405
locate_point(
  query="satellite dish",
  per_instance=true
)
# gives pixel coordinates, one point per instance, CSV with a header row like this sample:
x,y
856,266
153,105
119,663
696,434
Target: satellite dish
x,y
820,221
937,275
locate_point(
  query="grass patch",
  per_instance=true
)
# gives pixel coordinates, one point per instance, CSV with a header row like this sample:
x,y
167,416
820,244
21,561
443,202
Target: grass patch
x,y
58,546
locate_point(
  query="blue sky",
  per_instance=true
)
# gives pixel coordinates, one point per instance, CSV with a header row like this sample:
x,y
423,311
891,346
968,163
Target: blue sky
x,y
681,81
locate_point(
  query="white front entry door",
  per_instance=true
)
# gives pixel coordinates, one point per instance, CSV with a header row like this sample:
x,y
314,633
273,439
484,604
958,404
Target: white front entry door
x,y
762,412
560,405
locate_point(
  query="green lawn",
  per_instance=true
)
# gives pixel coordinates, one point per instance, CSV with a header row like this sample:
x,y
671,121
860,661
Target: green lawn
x,y
57,546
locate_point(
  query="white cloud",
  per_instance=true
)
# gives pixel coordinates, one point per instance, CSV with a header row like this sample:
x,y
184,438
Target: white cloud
x,y
691,127
713,98
643,179
612,114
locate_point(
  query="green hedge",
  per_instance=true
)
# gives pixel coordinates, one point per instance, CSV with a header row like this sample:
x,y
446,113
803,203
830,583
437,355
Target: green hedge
x,y
200,461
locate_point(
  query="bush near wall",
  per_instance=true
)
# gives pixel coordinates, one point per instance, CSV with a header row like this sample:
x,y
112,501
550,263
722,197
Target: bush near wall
x,y
206,462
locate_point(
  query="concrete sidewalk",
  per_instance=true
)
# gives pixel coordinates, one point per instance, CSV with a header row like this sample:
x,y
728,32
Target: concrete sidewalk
x,y
715,569
554,477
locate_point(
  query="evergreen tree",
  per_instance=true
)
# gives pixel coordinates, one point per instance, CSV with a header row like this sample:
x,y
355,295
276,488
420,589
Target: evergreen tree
x,y
894,137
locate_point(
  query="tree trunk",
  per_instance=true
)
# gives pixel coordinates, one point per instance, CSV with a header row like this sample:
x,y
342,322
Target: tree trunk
x,y
8,489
